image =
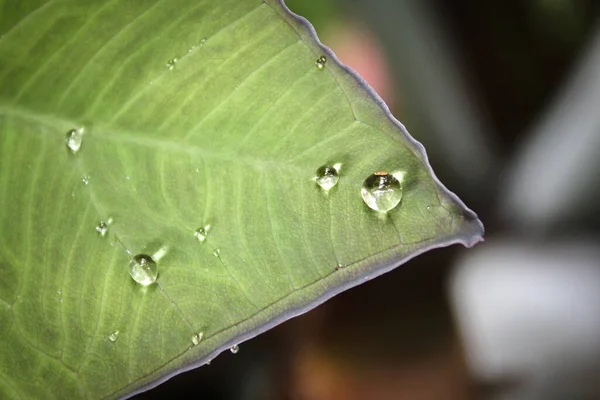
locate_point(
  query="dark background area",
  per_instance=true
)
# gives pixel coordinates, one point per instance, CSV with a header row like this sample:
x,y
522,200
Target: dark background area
x,y
397,337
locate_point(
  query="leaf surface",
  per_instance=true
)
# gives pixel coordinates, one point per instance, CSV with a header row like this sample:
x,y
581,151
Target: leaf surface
x,y
193,113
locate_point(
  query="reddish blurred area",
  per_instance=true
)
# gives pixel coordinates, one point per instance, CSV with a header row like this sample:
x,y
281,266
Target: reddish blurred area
x,y
357,47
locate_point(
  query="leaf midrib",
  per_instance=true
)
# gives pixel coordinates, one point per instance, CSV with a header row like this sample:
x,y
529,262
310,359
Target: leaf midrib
x,y
140,139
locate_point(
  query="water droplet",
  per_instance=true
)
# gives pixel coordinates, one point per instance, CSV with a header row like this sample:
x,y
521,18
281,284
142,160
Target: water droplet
x,y
171,64
102,228
113,336
197,338
202,41
341,266
381,191
216,253
74,139
143,269
327,177
86,180
202,233
58,292
321,62
234,349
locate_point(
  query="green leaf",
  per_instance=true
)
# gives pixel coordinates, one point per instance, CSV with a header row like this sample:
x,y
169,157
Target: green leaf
x,y
230,134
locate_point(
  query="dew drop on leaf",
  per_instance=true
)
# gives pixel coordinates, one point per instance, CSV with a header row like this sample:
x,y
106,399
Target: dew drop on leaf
x,y
102,228
202,233
216,253
143,269
74,139
197,338
86,180
321,62
327,177
113,336
381,191
234,349
171,64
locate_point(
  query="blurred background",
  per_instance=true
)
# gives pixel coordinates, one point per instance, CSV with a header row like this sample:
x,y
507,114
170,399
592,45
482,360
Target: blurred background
x,y
505,96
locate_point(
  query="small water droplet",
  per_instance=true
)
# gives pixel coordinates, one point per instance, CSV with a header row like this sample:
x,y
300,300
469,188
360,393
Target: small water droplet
x,y
321,62
381,191
113,336
341,266
327,177
216,253
143,269
58,292
202,233
74,139
102,228
235,349
127,177
197,338
171,64
202,41
86,180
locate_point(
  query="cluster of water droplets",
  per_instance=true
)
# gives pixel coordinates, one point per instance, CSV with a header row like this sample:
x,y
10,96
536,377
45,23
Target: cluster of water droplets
x,y
380,191
200,44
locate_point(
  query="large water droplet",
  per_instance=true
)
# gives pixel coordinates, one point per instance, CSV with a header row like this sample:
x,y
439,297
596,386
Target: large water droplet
x,y
143,269
327,176
381,191
113,336
202,233
171,64
321,62
102,228
197,338
234,349
74,139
